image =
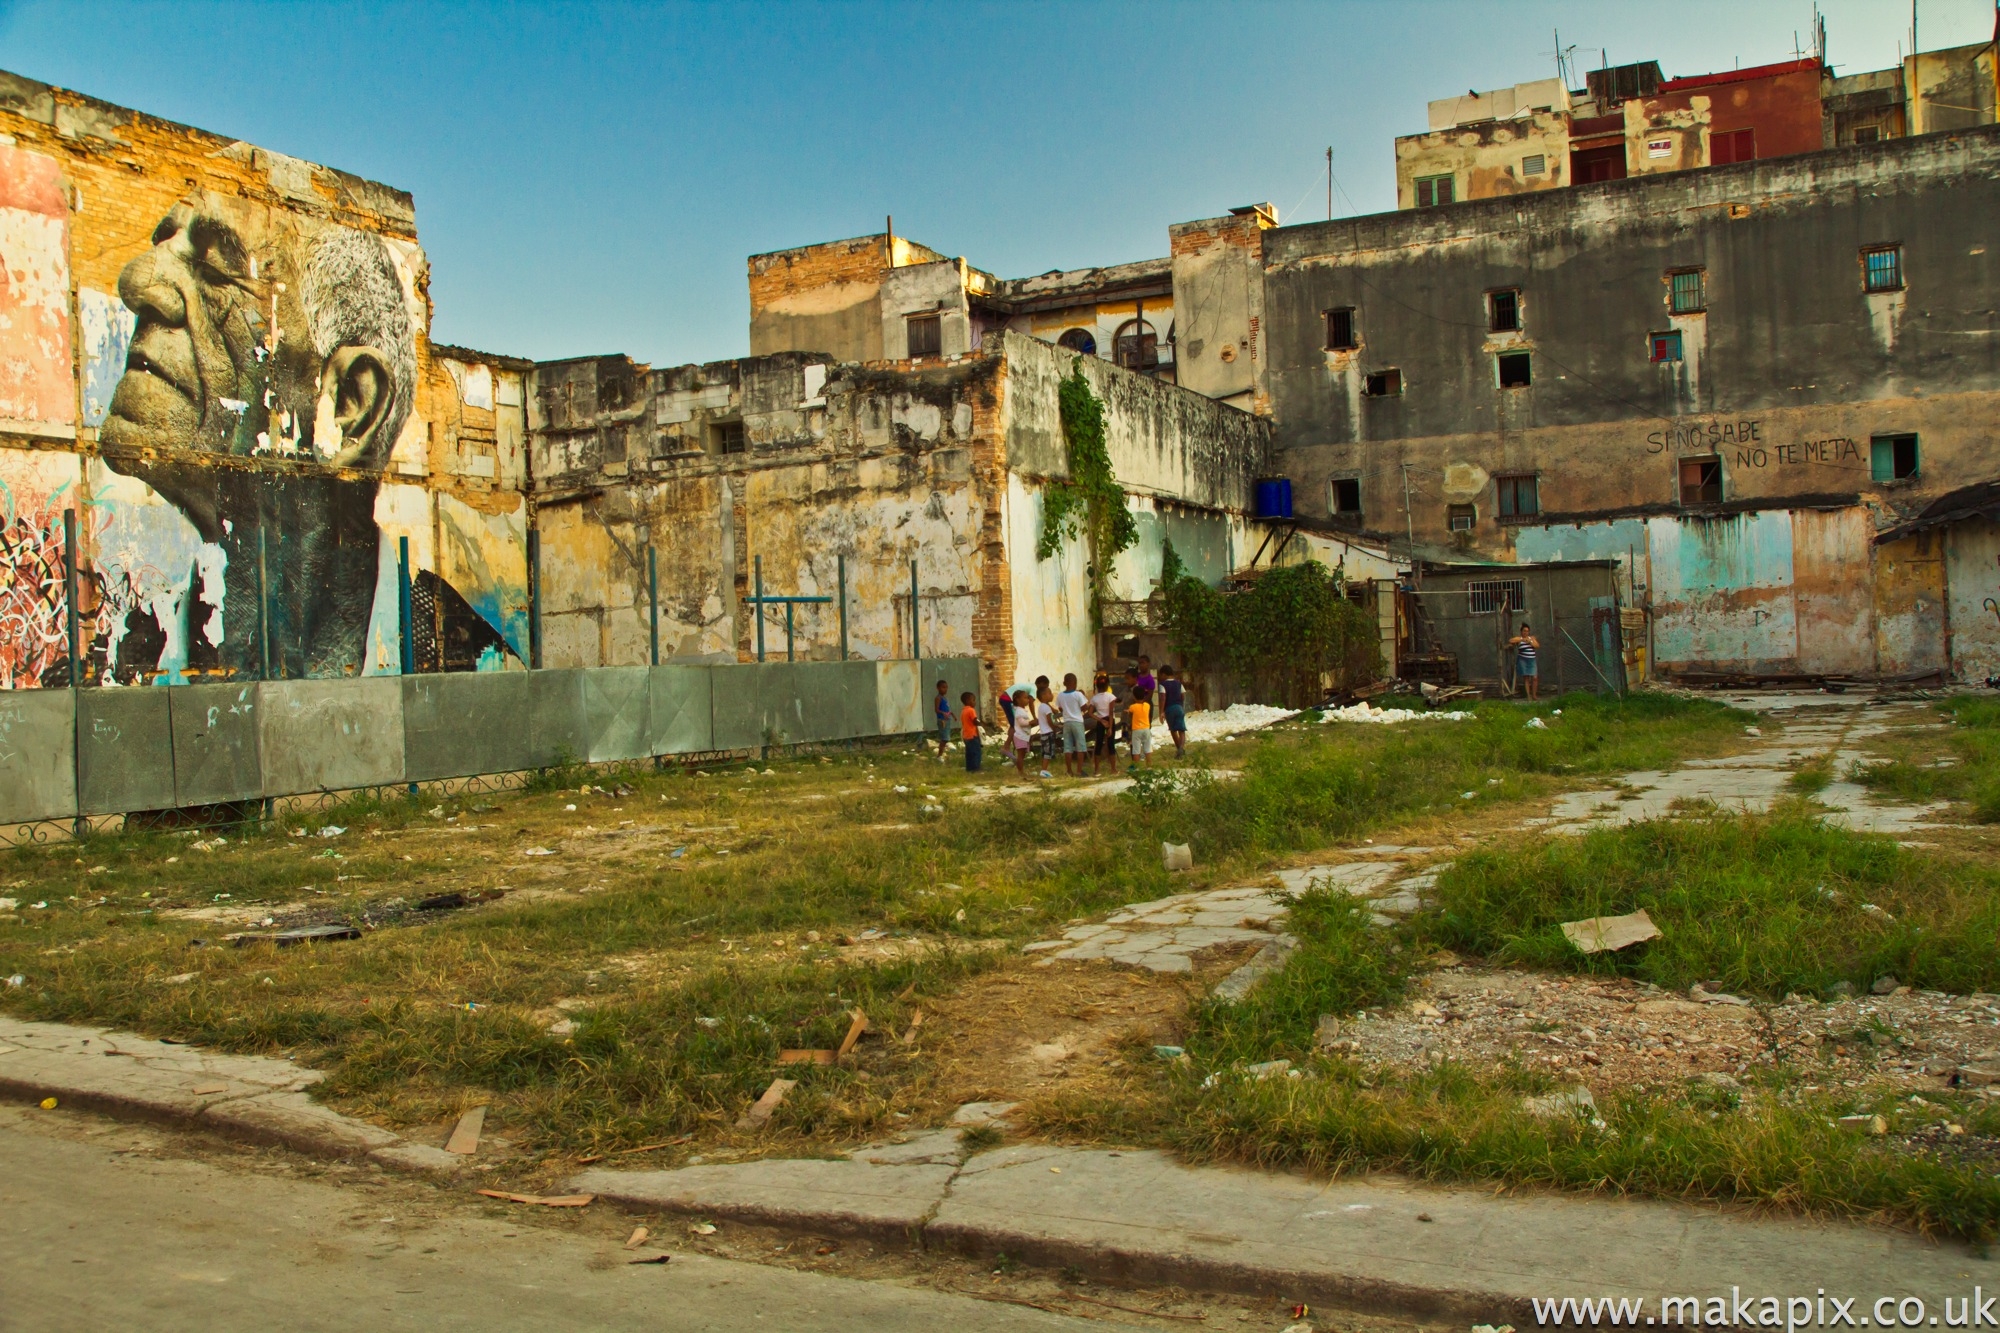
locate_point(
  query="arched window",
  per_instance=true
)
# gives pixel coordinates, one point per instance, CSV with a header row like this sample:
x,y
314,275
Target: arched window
x,y
1079,340
1137,346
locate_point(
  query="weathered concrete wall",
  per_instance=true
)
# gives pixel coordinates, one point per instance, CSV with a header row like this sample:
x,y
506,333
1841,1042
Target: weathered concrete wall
x,y
1786,376
1488,159
1675,129
926,289
1219,294
1956,88
1097,304
826,298
1972,575
217,357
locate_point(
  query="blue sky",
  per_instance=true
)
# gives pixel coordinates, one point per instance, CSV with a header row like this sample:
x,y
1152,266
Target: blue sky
x,y
590,178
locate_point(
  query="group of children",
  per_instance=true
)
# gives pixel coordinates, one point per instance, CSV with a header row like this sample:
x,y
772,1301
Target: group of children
x,y
1041,722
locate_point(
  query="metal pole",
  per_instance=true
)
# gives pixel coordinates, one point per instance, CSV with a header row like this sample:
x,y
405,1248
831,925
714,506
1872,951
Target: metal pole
x,y
916,644
840,565
70,596
403,604
757,570
653,597
263,605
534,599
788,629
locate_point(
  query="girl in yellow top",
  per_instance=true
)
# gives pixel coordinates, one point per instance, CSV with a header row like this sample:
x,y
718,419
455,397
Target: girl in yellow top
x,y
1139,719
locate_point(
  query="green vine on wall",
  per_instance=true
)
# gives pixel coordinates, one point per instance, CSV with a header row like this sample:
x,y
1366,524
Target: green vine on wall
x,y
1090,502
1289,635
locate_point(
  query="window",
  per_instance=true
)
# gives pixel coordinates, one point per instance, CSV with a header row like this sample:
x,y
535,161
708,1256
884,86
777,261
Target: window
x,y
1666,346
1520,497
1503,311
1590,165
1433,190
1340,330
1514,370
1535,164
1488,597
1732,146
1345,496
926,335
1867,134
1894,458
1136,346
1882,268
1701,480
1079,340
1685,291
1460,518
1382,383
726,437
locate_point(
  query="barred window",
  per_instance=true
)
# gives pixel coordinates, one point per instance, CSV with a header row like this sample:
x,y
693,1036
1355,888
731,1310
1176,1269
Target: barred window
x,y
1492,596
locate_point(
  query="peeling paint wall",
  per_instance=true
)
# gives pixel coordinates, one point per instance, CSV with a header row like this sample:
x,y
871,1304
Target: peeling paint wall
x,y
1722,593
1972,574
1488,159
1219,292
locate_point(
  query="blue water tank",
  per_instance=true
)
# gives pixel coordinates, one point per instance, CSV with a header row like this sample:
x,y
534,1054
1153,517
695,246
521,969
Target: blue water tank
x,y
1274,497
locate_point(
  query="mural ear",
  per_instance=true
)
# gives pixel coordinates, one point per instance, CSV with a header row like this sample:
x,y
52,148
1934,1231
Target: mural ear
x,y
358,388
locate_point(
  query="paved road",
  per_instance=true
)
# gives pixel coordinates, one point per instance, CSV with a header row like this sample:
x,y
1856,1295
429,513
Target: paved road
x,y
94,1238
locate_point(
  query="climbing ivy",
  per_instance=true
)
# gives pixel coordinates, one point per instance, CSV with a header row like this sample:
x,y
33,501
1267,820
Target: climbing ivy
x,y
1090,502
1287,635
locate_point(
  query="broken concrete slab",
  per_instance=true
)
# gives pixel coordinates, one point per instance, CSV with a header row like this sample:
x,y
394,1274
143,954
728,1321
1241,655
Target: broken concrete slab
x,y
1268,961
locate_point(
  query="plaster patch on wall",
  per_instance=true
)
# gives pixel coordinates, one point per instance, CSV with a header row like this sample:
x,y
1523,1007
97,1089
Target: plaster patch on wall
x,y
35,383
105,325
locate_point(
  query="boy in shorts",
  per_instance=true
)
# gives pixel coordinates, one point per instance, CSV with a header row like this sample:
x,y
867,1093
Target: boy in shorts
x,y
1173,703
968,730
945,717
1070,705
1139,720
1104,724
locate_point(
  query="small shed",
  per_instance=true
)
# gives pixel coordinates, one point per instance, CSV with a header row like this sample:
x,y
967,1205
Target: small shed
x,y
1460,617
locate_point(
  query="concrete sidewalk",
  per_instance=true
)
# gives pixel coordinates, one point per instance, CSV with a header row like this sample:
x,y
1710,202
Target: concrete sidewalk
x,y
245,1097
1369,1244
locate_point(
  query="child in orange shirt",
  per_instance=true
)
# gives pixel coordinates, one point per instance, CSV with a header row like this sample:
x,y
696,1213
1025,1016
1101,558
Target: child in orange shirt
x,y
968,730
1139,721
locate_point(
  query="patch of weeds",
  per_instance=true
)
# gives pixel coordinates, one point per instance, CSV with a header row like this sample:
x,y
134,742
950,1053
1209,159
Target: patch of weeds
x,y
565,774
1811,777
1767,904
980,1138
1158,788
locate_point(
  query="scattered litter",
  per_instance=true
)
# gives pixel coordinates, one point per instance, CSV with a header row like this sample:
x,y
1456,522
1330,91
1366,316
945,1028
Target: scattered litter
x,y
329,831
656,1259
178,979
1169,1052
465,1134
1865,1123
48,1103
298,833
805,1057
1224,723
901,789
297,935
1753,731
1268,1069
209,1089
854,1031
537,851
762,1109
16,981
1536,724
546,1200
916,1021
1706,996
570,807
708,1022
703,1228
1389,717
1177,855
1601,934
444,902
9,904
637,1238
1567,1102
1870,909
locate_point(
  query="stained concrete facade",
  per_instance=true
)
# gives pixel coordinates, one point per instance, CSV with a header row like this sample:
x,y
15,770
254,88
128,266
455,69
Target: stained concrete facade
x,y
1736,456
786,463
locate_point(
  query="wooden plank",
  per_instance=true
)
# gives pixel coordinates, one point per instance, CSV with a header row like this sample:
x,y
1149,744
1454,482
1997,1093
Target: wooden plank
x,y
854,1031
464,1138
768,1103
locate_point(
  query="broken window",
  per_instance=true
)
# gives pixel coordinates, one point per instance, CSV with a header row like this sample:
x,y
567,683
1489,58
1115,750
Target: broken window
x,y
1732,146
1589,165
1137,346
1345,495
1867,133
1519,496
1535,164
1685,292
726,437
1894,458
1340,330
1488,597
1382,383
1460,518
926,335
1666,346
1433,190
1079,340
1701,480
1882,268
1514,370
1503,311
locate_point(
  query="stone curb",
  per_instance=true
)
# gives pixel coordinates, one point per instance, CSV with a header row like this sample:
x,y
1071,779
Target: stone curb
x,y
251,1098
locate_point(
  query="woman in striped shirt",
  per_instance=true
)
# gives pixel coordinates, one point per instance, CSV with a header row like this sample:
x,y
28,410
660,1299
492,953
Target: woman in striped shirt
x,y
1527,649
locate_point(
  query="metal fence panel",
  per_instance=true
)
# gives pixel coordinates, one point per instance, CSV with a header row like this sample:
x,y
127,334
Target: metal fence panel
x,y
37,755
851,708
780,704
458,725
737,707
216,755
125,750
558,732
899,706
615,705
961,674
677,714
330,735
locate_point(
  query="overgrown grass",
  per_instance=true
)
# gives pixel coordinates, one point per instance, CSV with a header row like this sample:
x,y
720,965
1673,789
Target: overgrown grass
x,y
1762,904
818,846
1970,773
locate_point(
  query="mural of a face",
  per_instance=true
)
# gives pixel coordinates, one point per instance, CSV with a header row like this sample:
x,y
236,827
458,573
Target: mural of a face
x,y
290,341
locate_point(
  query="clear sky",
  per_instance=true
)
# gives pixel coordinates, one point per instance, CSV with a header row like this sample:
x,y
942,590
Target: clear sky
x,y
590,177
